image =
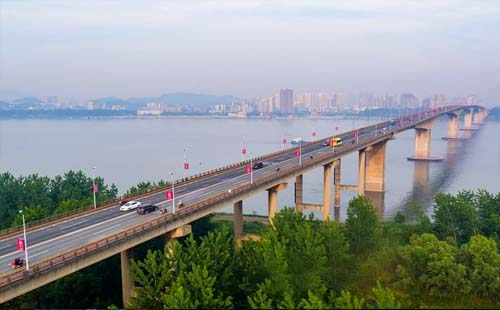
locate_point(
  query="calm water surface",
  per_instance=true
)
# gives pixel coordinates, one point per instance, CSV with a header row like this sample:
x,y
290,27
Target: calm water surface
x,y
128,151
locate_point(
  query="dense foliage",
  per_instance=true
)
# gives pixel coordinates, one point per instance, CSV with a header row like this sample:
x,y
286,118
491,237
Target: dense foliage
x,y
42,196
311,264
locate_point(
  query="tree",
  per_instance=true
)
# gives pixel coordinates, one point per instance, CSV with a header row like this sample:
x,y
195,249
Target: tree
x,y
481,257
361,225
338,259
456,217
152,277
305,250
347,301
488,213
195,289
384,298
430,266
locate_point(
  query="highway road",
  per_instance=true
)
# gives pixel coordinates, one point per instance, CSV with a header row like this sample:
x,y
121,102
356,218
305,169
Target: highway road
x,y
59,237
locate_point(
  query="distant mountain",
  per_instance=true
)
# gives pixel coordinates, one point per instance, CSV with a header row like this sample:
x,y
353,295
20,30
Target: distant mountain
x,y
172,99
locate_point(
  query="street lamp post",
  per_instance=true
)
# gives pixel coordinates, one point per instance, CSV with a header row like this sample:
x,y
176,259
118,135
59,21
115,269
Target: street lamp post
x,y
300,153
173,192
93,184
25,242
251,167
184,164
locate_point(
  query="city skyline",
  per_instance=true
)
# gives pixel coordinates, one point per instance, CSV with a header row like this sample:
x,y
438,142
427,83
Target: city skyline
x,y
125,49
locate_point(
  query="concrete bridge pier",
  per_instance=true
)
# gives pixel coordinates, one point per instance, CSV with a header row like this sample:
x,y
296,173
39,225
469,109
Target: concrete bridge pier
x,y
467,119
423,143
371,173
127,282
327,190
452,126
238,220
298,193
336,182
272,200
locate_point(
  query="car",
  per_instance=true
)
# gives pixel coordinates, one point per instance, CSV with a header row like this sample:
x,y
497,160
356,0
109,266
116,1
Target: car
x,y
146,208
326,143
258,165
130,205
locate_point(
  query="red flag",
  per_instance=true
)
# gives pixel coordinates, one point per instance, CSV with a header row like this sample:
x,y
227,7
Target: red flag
x,y
96,188
248,169
297,153
283,141
169,195
356,134
186,166
20,244
243,151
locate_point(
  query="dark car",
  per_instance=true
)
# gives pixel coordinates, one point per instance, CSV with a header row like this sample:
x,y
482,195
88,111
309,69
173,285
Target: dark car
x,y
258,165
326,143
146,209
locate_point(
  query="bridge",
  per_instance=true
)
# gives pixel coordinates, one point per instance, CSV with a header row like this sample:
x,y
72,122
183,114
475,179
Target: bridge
x,y
69,244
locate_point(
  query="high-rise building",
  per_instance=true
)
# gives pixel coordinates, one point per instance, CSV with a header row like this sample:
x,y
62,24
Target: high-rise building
x,y
439,100
407,100
286,101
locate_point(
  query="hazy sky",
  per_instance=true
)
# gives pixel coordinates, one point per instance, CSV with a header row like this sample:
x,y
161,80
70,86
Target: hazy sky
x,y
250,48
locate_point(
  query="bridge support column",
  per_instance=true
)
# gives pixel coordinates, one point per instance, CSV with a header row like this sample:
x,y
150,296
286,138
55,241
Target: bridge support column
x,y
238,220
177,233
375,168
327,189
361,172
272,200
127,283
423,143
467,119
452,126
336,182
298,193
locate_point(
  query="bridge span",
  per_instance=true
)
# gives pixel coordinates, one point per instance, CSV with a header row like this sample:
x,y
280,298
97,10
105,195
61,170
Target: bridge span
x,y
67,245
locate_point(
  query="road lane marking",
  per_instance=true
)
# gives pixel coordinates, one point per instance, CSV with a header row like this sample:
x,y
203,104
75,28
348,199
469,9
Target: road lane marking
x,y
69,234
43,252
74,224
111,227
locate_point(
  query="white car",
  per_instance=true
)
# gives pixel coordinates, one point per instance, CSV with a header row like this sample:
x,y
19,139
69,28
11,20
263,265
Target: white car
x,y
130,205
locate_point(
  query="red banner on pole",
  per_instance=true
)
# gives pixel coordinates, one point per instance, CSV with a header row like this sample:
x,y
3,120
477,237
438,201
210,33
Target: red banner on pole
x,y
96,188
314,133
355,134
243,151
248,169
283,141
20,244
169,194
336,128
186,166
297,153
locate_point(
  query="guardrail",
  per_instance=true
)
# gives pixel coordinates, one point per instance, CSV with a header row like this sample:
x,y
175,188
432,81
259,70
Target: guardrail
x,y
61,260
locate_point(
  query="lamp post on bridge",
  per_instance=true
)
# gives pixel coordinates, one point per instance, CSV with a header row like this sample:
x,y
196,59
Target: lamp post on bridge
x,y
94,187
25,243
173,192
186,164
